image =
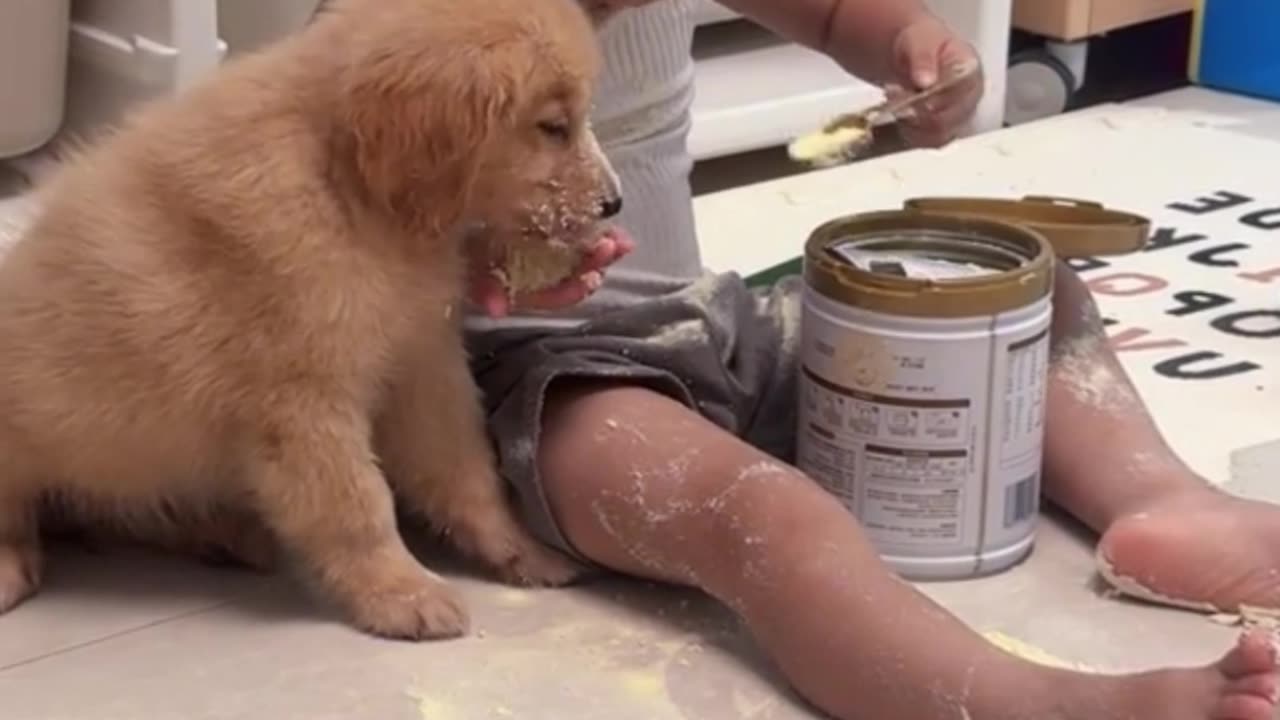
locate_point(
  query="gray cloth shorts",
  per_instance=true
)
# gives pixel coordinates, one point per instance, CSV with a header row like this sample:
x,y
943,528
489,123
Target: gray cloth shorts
x,y
720,348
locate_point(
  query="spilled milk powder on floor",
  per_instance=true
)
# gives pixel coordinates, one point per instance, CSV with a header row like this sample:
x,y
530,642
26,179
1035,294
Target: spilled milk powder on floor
x,y
599,661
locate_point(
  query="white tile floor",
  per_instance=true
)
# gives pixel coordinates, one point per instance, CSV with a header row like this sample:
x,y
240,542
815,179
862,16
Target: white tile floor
x,y
125,637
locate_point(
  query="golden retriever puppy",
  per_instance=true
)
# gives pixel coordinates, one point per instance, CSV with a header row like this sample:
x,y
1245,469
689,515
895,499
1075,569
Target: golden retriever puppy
x,y
234,315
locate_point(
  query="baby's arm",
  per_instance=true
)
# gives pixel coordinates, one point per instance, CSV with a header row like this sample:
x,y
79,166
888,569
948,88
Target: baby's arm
x,y
858,33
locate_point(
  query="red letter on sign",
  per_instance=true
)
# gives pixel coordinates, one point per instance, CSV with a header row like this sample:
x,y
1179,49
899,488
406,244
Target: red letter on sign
x,y
1126,284
1263,276
1131,340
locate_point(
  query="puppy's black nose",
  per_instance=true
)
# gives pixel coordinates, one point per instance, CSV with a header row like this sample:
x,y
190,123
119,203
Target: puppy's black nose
x,y
610,206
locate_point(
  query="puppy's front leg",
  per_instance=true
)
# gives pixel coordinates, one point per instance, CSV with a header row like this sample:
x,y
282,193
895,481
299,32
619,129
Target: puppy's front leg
x,y
433,443
21,557
318,488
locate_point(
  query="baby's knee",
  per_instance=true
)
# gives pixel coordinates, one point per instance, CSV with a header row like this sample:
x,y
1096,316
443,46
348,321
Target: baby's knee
x,y
1075,313
1071,291
759,497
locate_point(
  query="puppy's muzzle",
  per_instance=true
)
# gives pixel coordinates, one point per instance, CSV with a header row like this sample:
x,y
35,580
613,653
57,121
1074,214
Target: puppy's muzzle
x,y
610,203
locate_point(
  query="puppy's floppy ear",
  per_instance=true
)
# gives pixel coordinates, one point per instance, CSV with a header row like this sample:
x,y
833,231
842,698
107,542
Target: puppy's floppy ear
x,y
417,123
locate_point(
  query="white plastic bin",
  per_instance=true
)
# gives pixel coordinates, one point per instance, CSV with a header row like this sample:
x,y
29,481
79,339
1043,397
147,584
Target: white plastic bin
x,y
33,72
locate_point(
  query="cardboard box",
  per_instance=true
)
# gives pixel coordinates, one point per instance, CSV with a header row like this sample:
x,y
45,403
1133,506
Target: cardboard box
x,y
1078,19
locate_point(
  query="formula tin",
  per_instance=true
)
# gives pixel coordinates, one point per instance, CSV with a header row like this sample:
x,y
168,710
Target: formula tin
x,y
924,364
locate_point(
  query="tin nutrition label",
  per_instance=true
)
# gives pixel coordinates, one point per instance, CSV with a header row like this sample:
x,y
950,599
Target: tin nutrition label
x,y
932,439
914,457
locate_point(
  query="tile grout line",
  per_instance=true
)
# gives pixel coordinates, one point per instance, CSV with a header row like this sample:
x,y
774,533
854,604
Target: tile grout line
x,y
112,636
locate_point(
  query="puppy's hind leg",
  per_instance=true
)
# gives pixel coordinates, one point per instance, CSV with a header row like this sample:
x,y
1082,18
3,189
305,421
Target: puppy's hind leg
x,y
433,444
21,557
235,538
218,535
318,489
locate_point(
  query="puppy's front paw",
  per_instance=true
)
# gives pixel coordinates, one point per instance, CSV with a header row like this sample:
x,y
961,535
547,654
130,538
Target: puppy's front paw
x,y
493,535
417,608
533,563
20,570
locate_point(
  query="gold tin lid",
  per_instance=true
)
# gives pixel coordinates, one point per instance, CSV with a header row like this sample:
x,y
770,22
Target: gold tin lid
x,y
1013,265
1074,228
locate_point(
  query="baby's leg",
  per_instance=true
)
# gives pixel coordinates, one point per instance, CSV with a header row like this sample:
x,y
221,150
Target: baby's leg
x,y
1163,527
641,484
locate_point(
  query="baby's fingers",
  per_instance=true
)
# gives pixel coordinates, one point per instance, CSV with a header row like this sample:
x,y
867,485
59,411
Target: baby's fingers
x,y
488,294
566,294
610,249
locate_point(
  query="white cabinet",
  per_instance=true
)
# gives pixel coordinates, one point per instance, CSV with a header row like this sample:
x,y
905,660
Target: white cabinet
x,y
130,51
250,24
756,91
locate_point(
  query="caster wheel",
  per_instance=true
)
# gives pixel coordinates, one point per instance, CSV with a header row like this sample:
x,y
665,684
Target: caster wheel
x,y
1039,86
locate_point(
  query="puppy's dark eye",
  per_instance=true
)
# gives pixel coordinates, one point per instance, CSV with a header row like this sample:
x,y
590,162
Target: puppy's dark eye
x,y
555,129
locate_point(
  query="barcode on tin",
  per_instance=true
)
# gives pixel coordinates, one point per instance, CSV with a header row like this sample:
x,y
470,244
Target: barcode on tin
x,y
1021,500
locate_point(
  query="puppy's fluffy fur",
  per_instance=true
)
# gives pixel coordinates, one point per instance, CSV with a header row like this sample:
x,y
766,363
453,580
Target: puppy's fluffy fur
x,y
235,314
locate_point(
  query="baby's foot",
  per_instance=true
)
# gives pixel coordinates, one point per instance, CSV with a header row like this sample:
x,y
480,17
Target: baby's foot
x,y
1249,671
1204,550
1240,686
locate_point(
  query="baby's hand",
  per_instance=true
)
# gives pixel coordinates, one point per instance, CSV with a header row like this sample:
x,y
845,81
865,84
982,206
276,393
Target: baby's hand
x,y
923,52
488,293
